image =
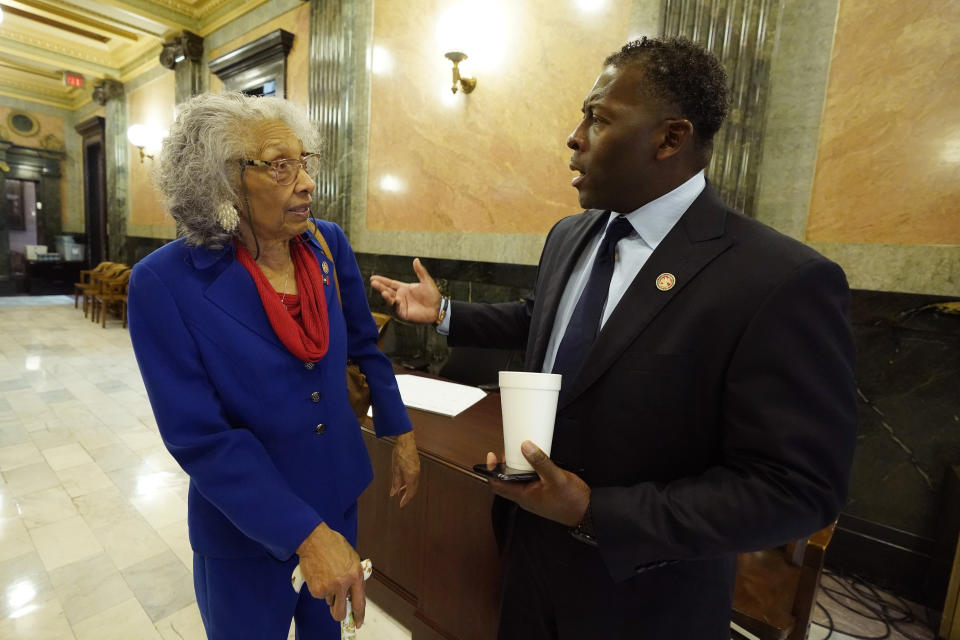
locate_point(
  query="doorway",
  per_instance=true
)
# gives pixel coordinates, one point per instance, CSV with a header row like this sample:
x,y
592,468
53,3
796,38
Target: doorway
x,y
22,228
96,224
94,189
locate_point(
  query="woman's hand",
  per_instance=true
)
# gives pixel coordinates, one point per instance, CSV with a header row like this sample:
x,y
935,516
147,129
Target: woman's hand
x,y
331,568
406,468
415,302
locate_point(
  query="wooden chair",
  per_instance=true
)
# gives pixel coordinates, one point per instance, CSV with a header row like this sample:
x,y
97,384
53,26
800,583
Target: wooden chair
x,y
776,589
96,283
112,291
86,282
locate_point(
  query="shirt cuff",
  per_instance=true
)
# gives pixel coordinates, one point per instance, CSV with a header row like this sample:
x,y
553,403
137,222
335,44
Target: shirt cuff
x,y
444,327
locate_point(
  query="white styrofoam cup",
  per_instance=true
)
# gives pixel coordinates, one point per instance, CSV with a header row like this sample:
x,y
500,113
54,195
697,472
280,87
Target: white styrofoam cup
x,y
528,402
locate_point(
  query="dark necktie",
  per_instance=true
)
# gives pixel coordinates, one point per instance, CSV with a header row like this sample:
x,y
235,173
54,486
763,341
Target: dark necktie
x,y
585,321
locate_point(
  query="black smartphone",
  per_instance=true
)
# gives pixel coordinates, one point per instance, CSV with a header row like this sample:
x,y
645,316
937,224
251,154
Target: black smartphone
x,y
507,474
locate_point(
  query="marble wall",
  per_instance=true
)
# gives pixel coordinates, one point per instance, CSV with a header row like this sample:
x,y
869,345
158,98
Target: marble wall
x,y
908,375
888,169
898,527
480,176
493,161
151,104
418,154
461,280
850,161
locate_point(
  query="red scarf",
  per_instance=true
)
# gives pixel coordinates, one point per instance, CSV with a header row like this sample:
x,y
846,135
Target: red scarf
x,y
309,339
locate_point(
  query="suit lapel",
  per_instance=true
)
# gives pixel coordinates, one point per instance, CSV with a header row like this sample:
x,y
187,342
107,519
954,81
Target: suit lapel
x,y
236,294
690,246
553,275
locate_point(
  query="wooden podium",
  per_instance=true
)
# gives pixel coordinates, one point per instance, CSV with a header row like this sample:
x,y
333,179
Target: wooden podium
x,y
436,566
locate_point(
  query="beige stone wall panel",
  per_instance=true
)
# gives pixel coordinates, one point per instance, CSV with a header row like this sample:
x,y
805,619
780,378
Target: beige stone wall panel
x,y
888,168
493,161
151,104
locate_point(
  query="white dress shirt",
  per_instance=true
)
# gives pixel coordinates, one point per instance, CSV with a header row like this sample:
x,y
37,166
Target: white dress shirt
x,y
650,223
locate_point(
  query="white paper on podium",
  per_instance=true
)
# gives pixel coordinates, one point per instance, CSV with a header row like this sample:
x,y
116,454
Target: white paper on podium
x,y
437,396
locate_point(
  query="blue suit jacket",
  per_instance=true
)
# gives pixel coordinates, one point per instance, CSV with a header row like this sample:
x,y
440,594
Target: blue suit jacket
x,y
268,459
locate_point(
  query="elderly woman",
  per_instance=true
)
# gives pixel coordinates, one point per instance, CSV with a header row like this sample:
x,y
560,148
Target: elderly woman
x,y
243,345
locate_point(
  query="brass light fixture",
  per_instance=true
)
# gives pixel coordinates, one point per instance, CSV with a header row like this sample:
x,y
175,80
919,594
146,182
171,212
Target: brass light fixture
x,y
141,137
467,84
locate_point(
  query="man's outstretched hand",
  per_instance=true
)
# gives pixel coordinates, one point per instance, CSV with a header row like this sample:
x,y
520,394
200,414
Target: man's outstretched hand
x,y
412,301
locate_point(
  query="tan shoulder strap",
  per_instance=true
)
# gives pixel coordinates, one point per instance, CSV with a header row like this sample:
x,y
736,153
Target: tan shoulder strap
x,y
326,251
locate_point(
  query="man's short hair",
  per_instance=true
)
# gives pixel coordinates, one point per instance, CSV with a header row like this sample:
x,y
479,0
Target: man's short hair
x,y
682,73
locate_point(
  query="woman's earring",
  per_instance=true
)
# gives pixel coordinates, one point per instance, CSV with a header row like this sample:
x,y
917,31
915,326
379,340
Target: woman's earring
x,y
227,216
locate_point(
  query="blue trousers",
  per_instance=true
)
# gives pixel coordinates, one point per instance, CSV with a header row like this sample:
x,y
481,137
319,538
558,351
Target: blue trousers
x,y
251,598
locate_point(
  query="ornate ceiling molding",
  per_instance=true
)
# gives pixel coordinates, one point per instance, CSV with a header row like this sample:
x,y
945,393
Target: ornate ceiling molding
x,y
99,58
93,21
37,95
118,39
140,65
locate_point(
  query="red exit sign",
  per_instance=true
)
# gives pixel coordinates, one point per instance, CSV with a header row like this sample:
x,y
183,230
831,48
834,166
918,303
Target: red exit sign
x,y
72,79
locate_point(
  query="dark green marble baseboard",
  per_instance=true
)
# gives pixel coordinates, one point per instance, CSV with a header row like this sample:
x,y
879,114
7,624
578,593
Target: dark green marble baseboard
x,y
137,248
460,279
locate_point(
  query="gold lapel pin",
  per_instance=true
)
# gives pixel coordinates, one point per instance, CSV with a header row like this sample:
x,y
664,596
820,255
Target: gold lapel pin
x,y
324,266
665,281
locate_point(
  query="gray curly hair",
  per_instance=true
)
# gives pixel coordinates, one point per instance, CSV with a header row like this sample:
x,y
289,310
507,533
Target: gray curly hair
x,y
198,168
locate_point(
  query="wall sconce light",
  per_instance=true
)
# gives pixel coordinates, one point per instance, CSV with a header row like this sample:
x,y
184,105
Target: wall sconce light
x,y
467,84
144,137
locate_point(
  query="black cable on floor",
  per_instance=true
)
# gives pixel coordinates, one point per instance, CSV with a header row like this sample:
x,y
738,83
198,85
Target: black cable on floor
x,y
829,622
891,614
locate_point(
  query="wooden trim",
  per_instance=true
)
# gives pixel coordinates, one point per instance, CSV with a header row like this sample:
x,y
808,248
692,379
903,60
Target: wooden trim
x,y
950,623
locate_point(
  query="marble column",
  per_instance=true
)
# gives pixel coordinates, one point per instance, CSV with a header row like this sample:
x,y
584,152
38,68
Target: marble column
x,y
742,34
340,33
109,93
192,77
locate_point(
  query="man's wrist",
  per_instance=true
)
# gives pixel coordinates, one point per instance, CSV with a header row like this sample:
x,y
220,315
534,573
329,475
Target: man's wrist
x,y
584,531
442,313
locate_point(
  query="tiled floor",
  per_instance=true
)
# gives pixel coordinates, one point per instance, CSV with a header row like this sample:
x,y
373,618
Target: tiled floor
x,y
93,536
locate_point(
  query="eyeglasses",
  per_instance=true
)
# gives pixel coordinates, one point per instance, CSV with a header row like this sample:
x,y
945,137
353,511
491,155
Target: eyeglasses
x,y
286,170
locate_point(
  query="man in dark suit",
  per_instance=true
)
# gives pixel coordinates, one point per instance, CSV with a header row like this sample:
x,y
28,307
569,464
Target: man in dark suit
x,y
708,402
